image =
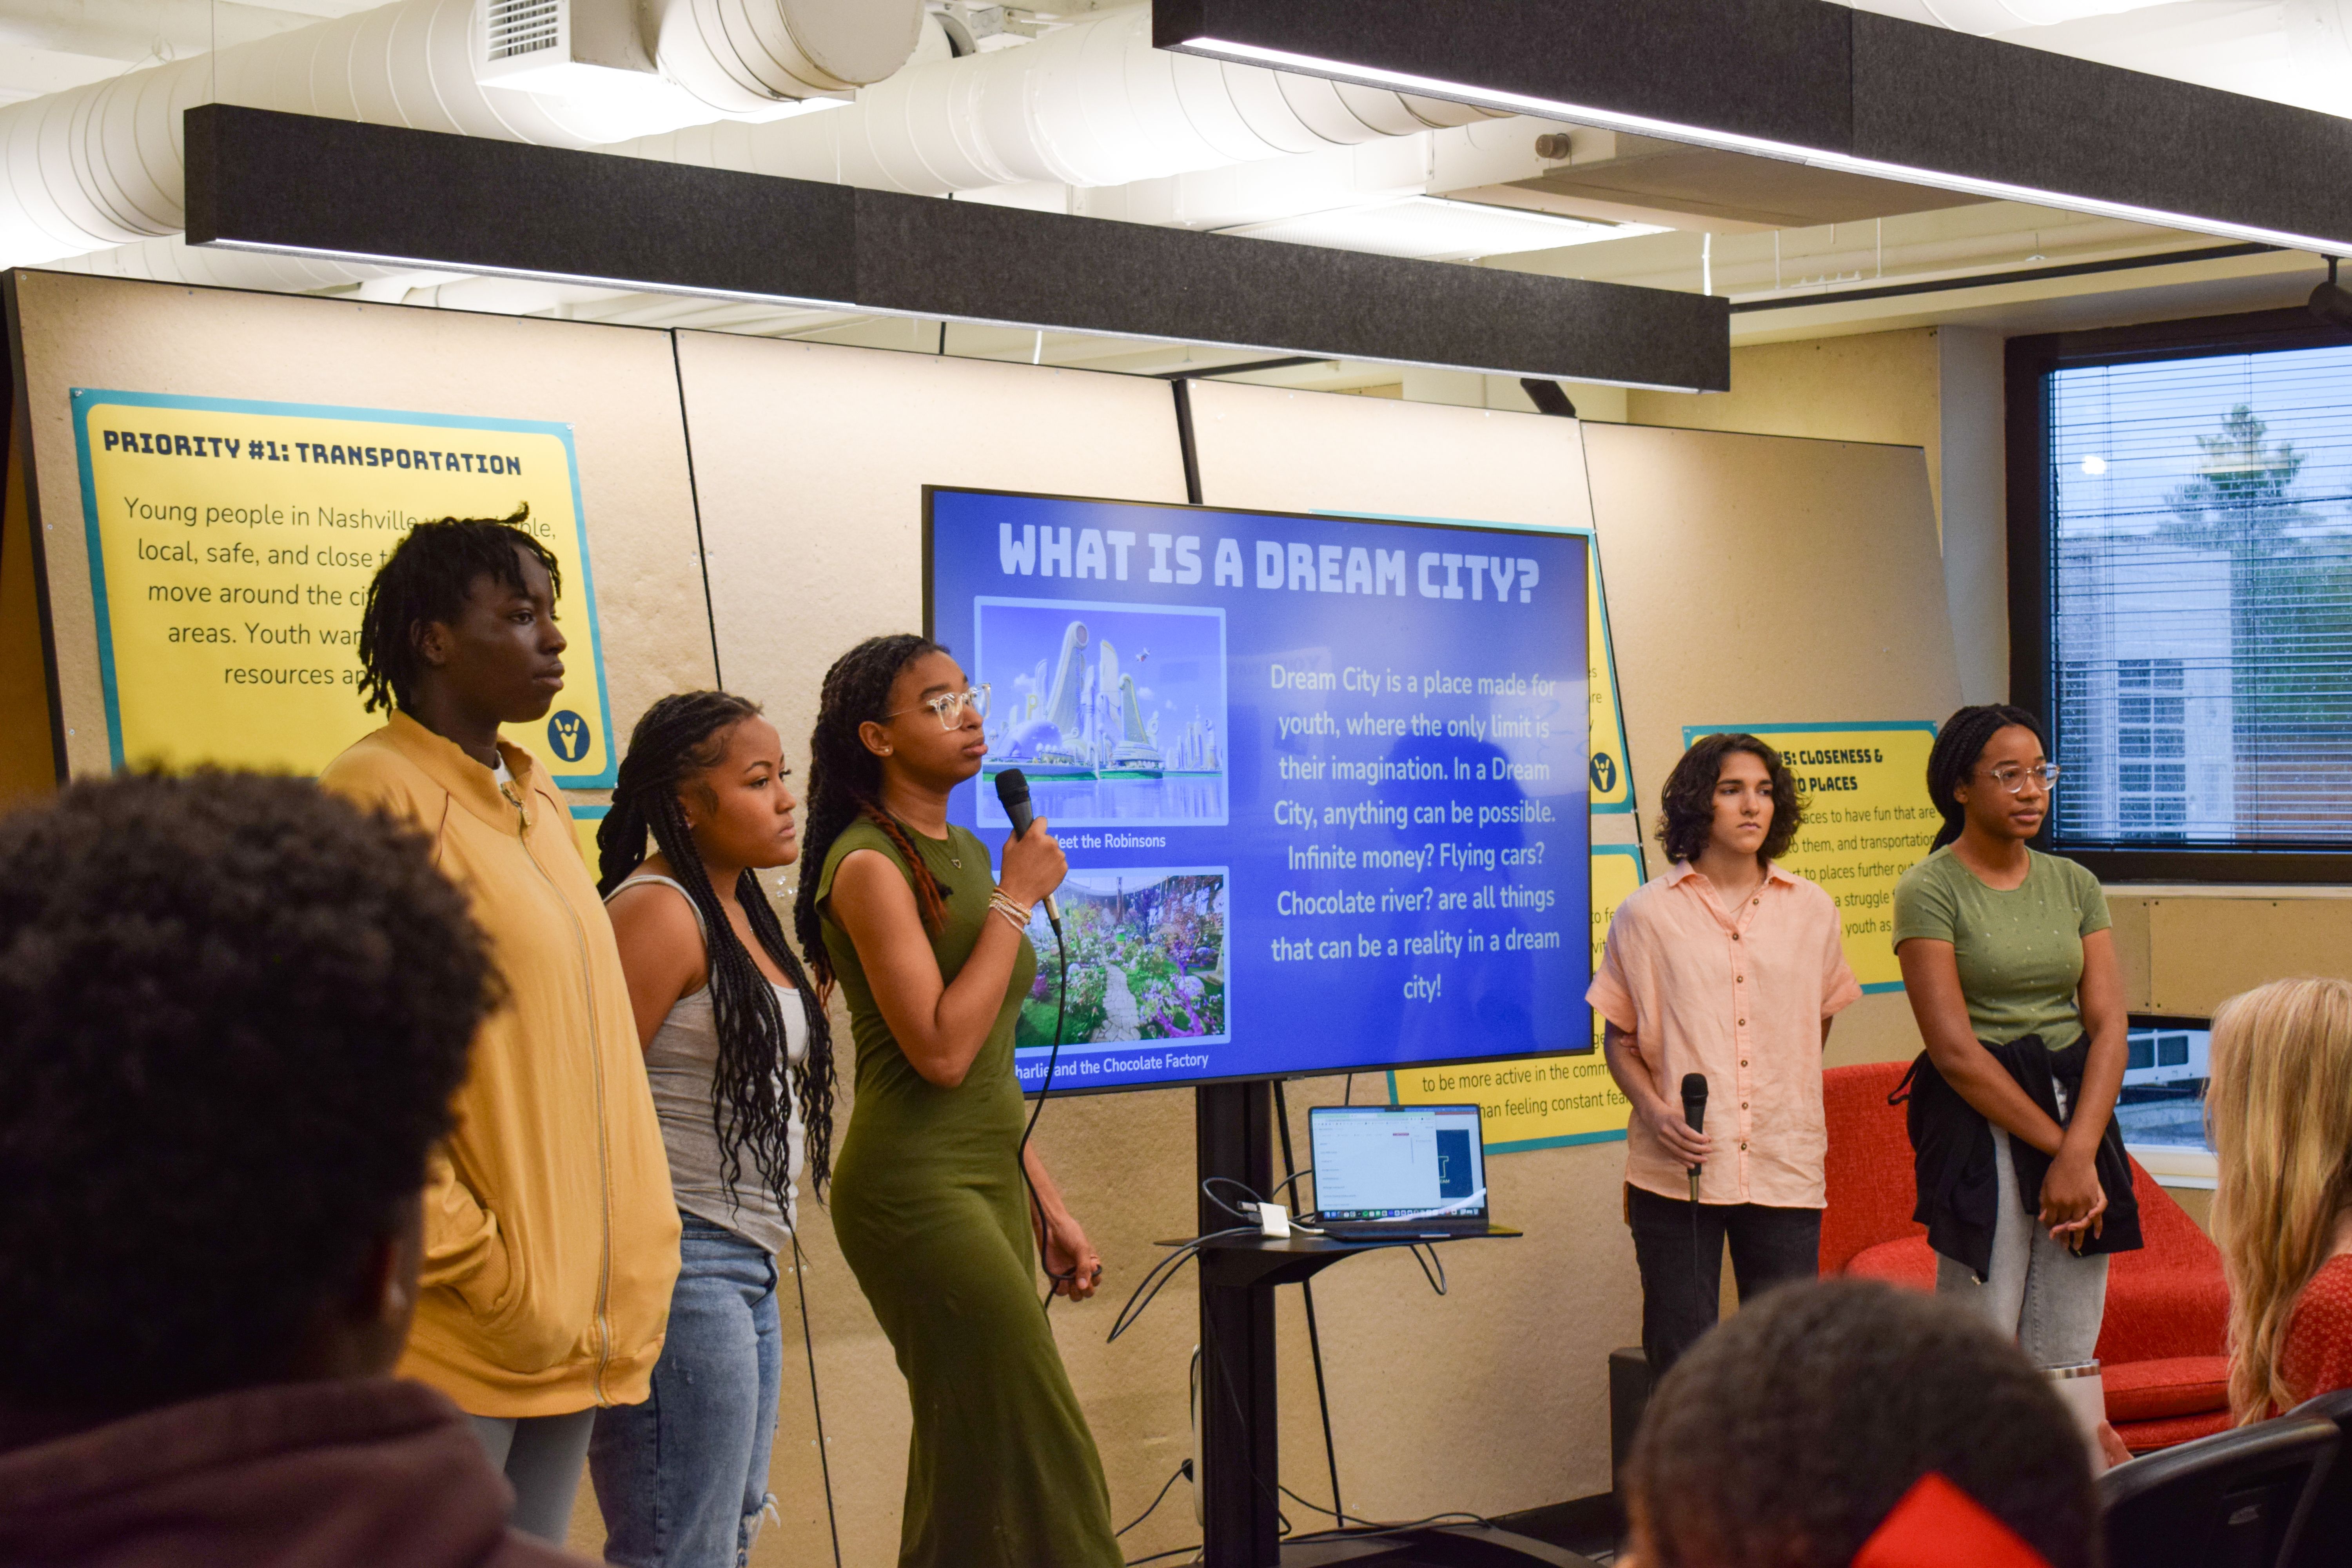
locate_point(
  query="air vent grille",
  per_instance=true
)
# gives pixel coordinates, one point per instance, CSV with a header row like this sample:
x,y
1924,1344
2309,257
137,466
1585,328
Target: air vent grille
x,y
524,27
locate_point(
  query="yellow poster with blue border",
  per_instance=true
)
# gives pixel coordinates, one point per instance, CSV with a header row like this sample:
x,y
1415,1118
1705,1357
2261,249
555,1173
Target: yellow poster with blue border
x,y
1867,821
231,545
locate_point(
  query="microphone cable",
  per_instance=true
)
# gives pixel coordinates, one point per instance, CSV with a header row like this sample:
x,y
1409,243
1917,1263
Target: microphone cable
x,y
808,1338
1020,1157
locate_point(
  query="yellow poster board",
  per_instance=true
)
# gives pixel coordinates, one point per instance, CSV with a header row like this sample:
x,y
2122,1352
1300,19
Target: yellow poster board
x,y
231,544
585,822
1541,1102
1611,774
1867,821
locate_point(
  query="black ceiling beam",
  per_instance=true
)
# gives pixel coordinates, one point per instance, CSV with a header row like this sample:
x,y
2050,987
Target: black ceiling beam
x,y
293,184
1825,84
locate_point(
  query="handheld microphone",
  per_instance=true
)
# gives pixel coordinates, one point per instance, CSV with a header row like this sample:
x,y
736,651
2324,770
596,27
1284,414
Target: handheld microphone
x,y
1695,1112
1012,794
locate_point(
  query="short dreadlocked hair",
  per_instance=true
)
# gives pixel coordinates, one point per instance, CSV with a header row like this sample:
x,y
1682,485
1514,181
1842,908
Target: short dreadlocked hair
x,y
233,1011
426,578
1788,1434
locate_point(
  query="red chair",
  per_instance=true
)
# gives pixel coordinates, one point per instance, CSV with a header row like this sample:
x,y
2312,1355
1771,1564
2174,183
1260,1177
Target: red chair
x,y
2162,1349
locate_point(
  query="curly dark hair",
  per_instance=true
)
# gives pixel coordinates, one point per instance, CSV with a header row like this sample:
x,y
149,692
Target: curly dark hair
x,y
1687,805
679,738
1958,744
426,578
846,781
233,1011
1790,1432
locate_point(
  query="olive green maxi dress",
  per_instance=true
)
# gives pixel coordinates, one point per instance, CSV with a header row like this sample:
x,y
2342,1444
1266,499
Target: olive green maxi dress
x,y
932,1213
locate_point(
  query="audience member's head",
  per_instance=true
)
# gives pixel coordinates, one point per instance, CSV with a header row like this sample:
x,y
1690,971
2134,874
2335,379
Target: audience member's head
x,y
2278,1105
1785,1437
233,1011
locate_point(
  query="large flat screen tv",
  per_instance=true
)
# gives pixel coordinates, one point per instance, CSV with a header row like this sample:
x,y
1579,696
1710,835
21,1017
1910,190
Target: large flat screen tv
x,y
1320,779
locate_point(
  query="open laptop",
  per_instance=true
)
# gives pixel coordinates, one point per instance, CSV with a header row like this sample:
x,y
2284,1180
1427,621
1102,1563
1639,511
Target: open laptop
x,y
1400,1172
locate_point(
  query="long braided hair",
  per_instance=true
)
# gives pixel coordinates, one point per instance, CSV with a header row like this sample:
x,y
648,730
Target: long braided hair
x,y
679,739
1958,744
846,781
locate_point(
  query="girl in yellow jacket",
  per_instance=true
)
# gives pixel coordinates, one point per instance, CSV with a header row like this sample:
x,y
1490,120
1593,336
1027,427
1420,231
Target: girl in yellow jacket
x,y
551,1241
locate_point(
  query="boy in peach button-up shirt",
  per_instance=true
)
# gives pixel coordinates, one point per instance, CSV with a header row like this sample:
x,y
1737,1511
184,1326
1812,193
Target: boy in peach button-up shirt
x,y
1730,967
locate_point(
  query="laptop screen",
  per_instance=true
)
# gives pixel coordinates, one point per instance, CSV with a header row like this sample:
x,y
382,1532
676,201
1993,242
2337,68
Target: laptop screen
x,y
1395,1162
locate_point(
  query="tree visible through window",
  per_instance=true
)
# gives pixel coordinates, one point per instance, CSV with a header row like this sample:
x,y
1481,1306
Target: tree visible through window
x,y
2201,579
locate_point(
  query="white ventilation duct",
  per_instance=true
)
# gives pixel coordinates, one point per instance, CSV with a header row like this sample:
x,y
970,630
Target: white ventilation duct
x,y
101,165
1089,104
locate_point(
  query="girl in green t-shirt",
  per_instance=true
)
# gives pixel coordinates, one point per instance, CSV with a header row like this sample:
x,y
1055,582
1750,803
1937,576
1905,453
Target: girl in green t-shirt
x,y
2002,945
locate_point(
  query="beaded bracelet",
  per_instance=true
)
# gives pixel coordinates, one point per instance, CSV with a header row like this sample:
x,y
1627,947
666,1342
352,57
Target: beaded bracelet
x,y
1002,903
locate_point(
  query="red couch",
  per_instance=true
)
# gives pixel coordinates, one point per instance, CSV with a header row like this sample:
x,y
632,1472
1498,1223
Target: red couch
x,y
2162,1347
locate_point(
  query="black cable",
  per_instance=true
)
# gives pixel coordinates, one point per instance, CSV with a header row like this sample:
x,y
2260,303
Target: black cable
x,y
824,1461
1698,1274
1436,1280
1314,1335
1163,1556
1365,1526
1228,1180
1020,1157
1216,1356
1177,1475
1164,1271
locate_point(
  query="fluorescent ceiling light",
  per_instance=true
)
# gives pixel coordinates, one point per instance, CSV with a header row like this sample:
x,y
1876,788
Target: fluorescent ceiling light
x,y
1431,228
1611,119
844,308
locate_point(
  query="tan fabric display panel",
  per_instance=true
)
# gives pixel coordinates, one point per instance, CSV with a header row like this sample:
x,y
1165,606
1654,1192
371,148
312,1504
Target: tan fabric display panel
x,y
615,385
809,461
1763,579
1494,1397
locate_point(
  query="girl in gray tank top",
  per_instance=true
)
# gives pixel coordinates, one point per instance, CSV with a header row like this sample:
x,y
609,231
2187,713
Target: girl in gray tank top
x,y
740,1061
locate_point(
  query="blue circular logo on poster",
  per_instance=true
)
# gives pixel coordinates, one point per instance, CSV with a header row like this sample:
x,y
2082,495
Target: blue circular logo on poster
x,y
568,735
1604,772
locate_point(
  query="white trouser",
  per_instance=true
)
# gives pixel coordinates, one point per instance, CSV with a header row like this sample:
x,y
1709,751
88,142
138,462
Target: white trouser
x,y
2037,1291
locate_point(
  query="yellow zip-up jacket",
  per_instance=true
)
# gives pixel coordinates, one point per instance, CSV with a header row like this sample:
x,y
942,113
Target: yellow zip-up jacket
x,y
551,1237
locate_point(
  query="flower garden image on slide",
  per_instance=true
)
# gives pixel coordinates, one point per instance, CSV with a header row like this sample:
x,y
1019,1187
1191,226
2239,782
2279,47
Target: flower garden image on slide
x,y
1147,959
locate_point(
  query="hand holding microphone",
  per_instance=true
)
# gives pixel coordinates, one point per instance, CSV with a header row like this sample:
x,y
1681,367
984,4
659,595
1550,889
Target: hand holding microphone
x,y
1034,864
1695,1114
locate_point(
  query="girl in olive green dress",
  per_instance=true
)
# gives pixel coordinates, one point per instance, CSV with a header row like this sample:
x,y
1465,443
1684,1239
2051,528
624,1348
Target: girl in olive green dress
x,y
928,1198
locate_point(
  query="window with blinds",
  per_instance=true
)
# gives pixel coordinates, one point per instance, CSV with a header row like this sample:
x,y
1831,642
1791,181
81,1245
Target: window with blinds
x,y
2199,579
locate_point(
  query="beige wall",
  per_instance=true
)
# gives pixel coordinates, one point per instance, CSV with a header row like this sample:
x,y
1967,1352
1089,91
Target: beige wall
x,y
1750,578
1935,388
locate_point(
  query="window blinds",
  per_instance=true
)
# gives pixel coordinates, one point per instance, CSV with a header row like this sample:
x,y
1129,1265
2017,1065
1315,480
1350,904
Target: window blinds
x,y
2201,609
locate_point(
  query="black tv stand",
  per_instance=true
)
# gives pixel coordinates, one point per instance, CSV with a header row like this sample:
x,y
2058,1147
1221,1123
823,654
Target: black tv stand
x,y
1240,1453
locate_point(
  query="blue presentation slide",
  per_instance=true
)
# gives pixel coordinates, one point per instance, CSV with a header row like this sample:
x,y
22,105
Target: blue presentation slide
x,y
1321,780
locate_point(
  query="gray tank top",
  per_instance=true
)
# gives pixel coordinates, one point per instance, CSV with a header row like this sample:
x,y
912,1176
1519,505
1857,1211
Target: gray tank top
x,y
680,1061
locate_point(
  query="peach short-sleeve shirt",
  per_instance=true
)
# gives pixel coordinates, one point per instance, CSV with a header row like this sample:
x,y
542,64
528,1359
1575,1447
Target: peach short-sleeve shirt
x,y
1739,996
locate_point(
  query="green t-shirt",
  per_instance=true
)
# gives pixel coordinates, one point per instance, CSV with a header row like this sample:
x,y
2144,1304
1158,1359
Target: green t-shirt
x,y
2019,952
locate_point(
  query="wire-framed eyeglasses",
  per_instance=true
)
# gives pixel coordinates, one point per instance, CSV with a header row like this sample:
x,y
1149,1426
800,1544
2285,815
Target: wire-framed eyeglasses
x,y
2014,779
950,706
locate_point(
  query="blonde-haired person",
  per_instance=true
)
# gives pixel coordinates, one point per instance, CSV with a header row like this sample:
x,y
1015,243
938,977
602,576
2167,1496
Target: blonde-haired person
x,y
2278,1107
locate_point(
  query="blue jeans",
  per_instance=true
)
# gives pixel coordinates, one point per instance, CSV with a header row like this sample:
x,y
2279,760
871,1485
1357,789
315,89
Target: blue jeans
x,y
682,1478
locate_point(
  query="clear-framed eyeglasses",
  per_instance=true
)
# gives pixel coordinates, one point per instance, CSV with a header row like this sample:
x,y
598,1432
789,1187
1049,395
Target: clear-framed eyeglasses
x,y
2014,779
950,706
